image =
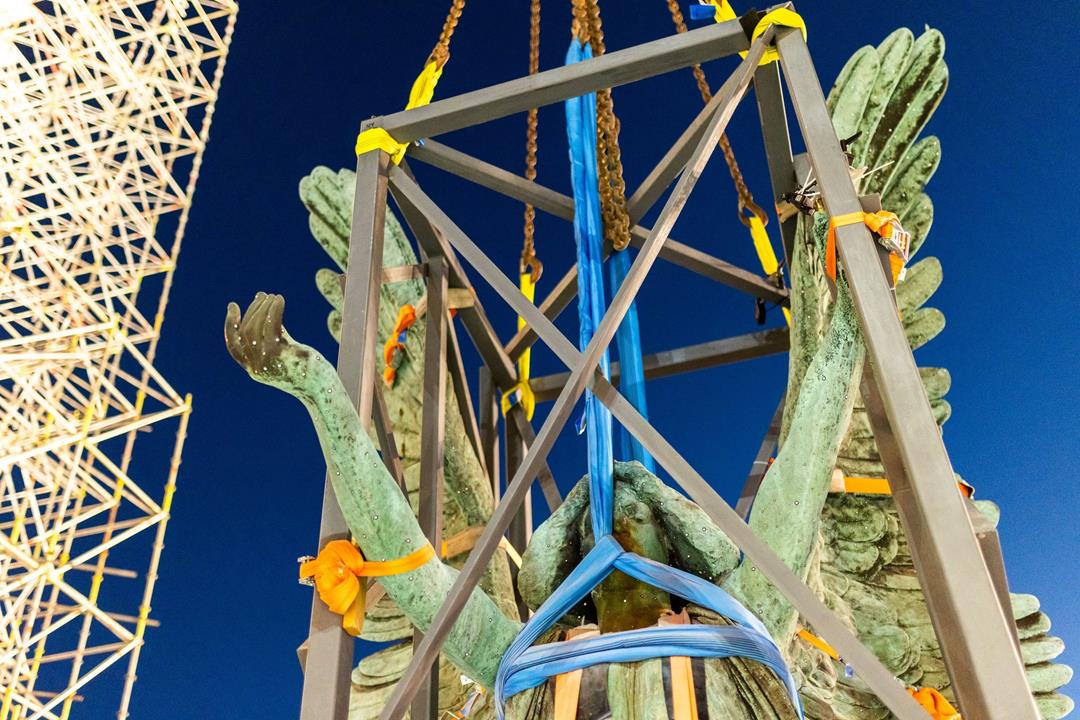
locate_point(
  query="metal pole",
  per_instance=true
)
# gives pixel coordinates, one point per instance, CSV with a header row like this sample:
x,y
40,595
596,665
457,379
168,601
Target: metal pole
x,y
521,526
774,131
462,394
986,669
425,703
384,431
761,463
489,430
328,666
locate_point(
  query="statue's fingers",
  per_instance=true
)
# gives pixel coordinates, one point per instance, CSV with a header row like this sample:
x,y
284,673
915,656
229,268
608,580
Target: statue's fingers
x,y
232,331
272,328
251,325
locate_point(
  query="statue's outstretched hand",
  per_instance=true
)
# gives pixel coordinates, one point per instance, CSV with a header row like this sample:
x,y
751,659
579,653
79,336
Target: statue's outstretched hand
x,y
259,343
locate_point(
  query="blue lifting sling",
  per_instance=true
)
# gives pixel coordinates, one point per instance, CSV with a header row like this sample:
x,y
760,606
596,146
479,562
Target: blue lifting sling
x,y
524,666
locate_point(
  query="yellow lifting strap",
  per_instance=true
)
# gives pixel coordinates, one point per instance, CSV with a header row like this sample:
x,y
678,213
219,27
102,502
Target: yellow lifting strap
x,y
781,16
756,219
423,89
764,249
929,699
336,574
522,392
887,227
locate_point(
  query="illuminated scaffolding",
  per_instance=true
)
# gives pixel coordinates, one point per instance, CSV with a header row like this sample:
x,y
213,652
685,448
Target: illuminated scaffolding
x,y
105,108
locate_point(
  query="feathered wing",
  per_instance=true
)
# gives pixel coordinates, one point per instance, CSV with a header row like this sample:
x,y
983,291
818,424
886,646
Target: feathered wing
x,y
883,98
468,499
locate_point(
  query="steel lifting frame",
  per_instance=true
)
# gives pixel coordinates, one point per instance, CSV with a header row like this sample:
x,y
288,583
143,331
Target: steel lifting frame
x,y
966,607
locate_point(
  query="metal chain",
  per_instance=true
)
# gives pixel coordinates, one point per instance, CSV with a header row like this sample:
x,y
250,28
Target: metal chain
x,y
441,52
746,198
587,27
528,249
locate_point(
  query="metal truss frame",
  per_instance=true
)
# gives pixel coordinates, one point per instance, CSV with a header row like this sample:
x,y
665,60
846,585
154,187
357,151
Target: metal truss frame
x,y
968,614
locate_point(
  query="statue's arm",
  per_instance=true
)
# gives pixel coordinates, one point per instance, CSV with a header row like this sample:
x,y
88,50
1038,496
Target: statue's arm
x,y
787,509
378,515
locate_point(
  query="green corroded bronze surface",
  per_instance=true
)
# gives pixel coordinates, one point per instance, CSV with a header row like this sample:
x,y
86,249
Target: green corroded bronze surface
x,y
849,548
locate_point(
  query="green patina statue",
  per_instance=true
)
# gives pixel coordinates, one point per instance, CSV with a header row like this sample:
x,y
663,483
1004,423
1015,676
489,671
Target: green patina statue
x,y
849,548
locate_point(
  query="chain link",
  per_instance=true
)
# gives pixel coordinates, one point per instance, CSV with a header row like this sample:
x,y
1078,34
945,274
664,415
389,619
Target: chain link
x,y
529,260
587,27
746,198
441,52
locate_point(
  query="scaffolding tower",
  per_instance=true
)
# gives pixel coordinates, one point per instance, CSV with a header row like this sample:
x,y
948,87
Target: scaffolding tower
x,y
105,110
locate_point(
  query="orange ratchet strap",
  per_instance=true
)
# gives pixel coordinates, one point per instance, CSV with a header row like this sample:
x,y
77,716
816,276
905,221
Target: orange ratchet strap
x,y
887,227
336,573
396,342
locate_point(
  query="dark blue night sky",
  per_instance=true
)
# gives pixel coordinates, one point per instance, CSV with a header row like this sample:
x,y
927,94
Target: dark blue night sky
x,y
300,78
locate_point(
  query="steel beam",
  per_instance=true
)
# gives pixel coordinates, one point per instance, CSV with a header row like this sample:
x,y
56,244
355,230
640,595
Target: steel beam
x,y
493,177
582,372
328,666
984,665
684,359
774,131
990,546
612,69
761,463
462,394
432,451
489,431
520,530
384,432
713,268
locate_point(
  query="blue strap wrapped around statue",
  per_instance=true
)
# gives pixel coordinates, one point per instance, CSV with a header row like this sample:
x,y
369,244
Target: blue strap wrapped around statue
x,y
631,370
524,666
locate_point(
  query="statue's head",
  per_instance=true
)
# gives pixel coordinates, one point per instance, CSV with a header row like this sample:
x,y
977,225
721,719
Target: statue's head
x,y
649,519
